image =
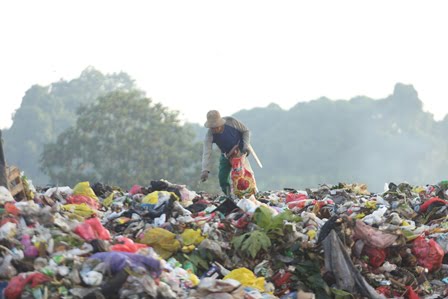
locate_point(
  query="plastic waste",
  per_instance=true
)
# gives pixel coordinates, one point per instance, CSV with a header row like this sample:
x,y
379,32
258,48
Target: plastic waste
x,y
242,177
82,199
376,217
83,188
163,241
127,245
5,195
429,254
247,278
17,284
92,229
372,236
117,261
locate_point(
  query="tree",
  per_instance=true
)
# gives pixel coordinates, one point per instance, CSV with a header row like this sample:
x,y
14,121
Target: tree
x,y
124,139
46,111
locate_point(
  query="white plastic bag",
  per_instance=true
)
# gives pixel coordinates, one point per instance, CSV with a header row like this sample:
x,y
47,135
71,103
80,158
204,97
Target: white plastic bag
x,y
5,195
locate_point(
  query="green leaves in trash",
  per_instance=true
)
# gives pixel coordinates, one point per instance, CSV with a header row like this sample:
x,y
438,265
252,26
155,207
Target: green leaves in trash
x,y
270,227
197,261
340,294
273,225
251,243
309,273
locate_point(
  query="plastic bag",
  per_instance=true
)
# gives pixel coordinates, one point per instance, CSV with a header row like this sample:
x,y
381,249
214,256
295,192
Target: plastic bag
x,y
247,278
242,176
373,237
92,229
377,256
11,208
135,189
59,191
17,284
82,210
429,254
164,242
8,230
82,199
376,217
5,195
127,245
186,195
29,249
84,188
109,200
192,237
116,261
158,198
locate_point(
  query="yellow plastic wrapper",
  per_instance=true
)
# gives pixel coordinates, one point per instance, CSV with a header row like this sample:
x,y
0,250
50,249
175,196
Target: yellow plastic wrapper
x,y
360,216
82,210
192,237
109,200
311,234
193,278
418,189
247,278
371,204
153,198
83,188
164,242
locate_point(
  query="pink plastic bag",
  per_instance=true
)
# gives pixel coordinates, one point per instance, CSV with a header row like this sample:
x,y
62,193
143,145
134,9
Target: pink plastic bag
x,y
295,197
135,189
79,199
92,229
373,237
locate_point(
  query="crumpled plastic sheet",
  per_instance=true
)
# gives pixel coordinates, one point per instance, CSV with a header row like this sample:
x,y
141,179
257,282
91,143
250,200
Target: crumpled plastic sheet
x,y
348,278
372,236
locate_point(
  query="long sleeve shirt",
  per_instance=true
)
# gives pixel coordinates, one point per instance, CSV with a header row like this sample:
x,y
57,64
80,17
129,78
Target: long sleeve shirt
x,y
235,132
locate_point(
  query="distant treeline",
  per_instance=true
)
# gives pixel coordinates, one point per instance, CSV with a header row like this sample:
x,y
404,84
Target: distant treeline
x,y
103,128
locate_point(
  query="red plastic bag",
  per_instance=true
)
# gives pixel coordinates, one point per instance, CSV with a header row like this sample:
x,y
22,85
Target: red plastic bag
x,y
12,209
243,180
295,197
92,229
429,254
18,283
127,246
79,199
377,256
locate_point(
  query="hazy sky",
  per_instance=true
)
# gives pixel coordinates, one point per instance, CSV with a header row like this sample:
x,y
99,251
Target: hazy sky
x,y
194,56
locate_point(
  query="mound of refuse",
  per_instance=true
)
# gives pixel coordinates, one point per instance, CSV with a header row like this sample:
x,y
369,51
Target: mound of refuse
x,y
166,241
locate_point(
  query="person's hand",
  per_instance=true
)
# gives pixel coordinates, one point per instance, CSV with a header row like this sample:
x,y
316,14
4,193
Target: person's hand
x,y
204,175
245,151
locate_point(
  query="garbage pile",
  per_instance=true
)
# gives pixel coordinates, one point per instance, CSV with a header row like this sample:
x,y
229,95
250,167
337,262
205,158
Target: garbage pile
x,y
166,241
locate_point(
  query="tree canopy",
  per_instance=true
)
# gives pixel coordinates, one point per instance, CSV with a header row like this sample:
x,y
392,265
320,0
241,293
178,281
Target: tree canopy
x,y
46,111
124,139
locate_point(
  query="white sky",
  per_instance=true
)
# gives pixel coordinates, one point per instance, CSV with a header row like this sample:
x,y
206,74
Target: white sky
x,y
194,56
